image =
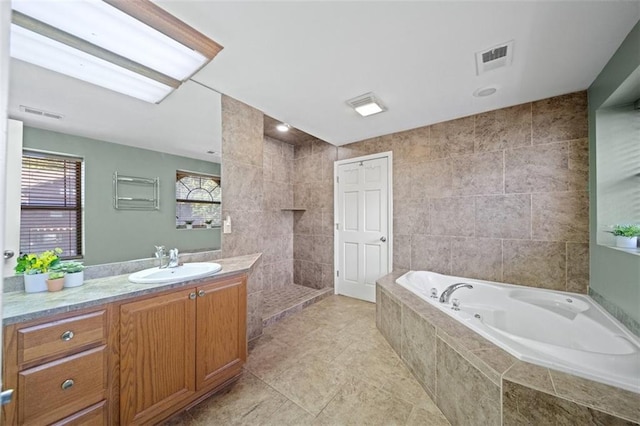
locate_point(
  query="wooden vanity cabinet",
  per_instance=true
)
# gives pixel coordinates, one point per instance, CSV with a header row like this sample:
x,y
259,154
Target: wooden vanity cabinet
x,y
59,369
178,347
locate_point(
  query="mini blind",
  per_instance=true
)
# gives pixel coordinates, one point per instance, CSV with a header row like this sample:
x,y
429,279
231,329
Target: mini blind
x,y
51,204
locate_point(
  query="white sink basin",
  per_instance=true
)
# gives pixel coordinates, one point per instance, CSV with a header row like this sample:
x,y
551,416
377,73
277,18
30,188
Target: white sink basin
x,y
184,272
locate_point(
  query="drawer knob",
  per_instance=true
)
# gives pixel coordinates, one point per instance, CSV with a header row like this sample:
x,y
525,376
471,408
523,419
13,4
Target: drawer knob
x,y
67,384
201,293
192,295
67,335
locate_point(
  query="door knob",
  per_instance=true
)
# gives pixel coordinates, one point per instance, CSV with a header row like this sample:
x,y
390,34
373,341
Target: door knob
x,y
8,254
383,239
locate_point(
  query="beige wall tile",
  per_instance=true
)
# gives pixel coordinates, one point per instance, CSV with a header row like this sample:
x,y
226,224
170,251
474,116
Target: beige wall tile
x,y
561,118
411,216
543,168
503,128
390,321
578,267
431,253
479,258
453,216
579,165
560,216
242,133
432,179
411,145
478,174
535,263
242,186
401,251
453,138
503,216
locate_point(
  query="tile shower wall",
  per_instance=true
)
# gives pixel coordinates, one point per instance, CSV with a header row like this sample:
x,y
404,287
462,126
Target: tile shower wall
x,y
500,196
242,189
313,228
277,255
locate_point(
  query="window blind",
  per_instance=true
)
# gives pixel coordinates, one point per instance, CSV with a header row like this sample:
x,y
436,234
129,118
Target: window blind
x,y
51,204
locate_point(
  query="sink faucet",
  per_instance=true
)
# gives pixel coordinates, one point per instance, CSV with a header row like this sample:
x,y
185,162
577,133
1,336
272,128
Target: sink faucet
x,y
160,256
446,294
173,258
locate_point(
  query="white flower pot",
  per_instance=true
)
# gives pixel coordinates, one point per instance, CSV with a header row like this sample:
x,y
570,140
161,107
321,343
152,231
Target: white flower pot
x,y
626,242
208,226
189,226
74,280
35,283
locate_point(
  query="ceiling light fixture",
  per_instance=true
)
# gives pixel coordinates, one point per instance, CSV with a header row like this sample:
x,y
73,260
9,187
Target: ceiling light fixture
x,y
485,91
137,36
366,105
283,127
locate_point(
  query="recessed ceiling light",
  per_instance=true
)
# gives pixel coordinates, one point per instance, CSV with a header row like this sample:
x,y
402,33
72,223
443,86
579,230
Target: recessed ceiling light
x,y
366,104
283,127
485,91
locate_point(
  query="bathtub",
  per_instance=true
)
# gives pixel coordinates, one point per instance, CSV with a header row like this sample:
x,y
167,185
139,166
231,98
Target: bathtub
x,y
563,331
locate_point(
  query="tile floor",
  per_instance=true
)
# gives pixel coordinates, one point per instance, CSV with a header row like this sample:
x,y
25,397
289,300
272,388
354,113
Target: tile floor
x,y
325,365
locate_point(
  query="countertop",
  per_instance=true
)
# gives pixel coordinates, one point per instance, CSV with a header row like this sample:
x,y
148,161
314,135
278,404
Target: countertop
x,y
19,306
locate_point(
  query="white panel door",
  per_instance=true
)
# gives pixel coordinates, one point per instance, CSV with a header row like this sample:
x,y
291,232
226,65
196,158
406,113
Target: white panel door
x,y
12,195
362,226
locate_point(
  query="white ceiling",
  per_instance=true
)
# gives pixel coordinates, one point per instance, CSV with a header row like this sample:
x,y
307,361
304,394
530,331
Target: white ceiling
x,y
299,61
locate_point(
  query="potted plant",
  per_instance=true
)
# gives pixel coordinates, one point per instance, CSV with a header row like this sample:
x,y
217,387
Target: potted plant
x,y
626,235
73,273
35,269
55,282
189,224
208,222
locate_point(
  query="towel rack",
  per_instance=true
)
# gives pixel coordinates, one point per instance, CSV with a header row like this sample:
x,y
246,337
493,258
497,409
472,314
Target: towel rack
x,y
135,193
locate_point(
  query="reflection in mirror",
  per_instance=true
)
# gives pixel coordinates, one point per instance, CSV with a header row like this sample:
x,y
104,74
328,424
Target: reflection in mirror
x,y
112,133
198,200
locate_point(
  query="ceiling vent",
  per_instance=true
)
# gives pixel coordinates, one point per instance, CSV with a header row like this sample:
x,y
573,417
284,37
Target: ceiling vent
x,y
496,57
41,113
367,104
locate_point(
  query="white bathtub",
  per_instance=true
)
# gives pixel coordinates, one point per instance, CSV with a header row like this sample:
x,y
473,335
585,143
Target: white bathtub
x,y
564,331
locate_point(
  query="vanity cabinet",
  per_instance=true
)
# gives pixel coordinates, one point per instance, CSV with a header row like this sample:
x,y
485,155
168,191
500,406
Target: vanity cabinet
x,y
178,347
59,370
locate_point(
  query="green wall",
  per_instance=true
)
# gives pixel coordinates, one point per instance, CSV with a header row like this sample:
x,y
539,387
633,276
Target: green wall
x,y
116,235
615,275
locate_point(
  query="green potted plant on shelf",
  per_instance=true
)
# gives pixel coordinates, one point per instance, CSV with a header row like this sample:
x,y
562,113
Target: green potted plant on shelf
x,y
35,269
626,235
73,273
55,282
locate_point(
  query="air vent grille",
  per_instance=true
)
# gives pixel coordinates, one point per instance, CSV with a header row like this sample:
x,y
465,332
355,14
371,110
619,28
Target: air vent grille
x,y
362,100
41,113
496,57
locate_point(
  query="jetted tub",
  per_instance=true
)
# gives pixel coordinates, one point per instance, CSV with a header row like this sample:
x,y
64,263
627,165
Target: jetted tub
x,y
564,331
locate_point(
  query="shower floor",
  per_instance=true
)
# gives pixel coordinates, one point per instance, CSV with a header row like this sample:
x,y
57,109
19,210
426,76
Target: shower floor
x,y
282,302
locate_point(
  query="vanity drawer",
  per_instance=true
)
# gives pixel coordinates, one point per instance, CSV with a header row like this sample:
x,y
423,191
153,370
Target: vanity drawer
x,y
61,337
56,390
96,415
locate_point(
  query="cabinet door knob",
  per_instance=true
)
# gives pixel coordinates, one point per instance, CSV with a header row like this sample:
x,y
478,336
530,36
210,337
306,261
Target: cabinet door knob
x,y
192,295
67,384
201,293
67,335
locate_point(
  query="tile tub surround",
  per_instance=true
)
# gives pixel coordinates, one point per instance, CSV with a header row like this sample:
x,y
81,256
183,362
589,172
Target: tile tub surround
x,y
20,306
455,364
499,196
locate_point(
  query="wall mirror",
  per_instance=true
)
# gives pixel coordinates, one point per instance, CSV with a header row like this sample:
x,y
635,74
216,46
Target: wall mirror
x,y
111,133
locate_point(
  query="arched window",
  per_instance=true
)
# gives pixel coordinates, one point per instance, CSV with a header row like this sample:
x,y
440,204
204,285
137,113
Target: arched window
x,y
198,200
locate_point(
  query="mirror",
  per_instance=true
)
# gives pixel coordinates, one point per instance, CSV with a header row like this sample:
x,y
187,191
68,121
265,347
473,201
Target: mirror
x,y
115,133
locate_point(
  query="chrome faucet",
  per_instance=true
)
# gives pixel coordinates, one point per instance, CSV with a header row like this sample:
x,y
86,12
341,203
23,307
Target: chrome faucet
x,y
446,294
173,258
160,252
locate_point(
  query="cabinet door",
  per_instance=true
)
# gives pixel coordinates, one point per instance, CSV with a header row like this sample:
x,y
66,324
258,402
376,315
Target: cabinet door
x,y
221,343
157,355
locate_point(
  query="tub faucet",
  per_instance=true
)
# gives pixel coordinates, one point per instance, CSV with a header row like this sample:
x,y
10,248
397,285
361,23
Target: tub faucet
x,y
173,258
446,294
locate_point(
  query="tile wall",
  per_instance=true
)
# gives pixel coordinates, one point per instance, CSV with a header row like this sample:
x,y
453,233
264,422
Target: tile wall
x,y
313,228
500,195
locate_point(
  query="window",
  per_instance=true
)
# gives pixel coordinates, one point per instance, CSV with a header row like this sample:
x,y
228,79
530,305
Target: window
x,y
51,204
198,200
